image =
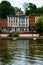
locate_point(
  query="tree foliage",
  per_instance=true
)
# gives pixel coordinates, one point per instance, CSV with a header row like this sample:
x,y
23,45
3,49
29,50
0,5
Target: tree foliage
x,y
39,25
25,6
31,9
40,11
12,12
6,9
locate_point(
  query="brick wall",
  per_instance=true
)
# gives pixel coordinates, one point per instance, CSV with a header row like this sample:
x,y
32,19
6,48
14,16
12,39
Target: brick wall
x,y
31,20
3,22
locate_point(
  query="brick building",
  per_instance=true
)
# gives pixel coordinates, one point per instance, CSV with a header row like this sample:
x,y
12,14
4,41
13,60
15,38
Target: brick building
x,y
18,23
3,22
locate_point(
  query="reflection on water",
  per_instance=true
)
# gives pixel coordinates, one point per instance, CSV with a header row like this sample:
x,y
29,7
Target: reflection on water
x,y
21,52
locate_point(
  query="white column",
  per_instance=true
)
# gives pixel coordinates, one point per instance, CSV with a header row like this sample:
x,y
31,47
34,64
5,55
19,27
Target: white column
x,y
25,22
8,20
36,19
18,24
28,23
18,21
15,21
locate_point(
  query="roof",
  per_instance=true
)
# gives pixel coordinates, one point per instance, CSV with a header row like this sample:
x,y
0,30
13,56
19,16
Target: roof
x,y
18,10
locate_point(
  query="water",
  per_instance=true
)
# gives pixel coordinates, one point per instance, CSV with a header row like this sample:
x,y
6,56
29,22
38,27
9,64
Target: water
x,y
21,52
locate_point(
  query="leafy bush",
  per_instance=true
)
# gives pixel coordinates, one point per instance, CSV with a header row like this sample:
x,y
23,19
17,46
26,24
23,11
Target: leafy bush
x,y
39,25
13,35
16,35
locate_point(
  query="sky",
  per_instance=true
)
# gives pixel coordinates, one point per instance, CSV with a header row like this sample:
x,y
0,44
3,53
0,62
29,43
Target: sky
x,y
19,3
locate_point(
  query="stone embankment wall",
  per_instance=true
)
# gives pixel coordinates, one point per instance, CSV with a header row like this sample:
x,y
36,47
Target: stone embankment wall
x,y
22,35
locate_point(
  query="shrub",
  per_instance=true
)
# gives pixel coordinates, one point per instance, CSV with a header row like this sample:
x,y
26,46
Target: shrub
x,y
16,35
39,26
13,35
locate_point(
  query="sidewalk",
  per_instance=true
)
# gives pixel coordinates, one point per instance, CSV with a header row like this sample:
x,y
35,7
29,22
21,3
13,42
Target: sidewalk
x,y
22,35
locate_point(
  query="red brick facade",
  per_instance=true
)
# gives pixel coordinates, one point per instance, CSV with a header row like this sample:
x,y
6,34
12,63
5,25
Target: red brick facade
x,y
3,22
31,20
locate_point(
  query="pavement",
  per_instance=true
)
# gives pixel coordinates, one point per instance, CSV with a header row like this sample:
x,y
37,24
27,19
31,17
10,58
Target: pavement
x,y
22,35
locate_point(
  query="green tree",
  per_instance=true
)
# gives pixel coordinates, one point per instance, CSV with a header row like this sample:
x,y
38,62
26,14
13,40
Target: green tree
x,y
6,9
30,9
25,6
12,12
39,25
40,10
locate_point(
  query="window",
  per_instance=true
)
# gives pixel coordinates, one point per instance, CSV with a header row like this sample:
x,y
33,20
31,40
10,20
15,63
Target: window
x,y
23,25
19,25
16,19
14,22
9,19
26,25
26,20
21,20
9,24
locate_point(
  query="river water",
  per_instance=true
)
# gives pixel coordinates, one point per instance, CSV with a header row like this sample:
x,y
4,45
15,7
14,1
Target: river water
x,y
21,52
